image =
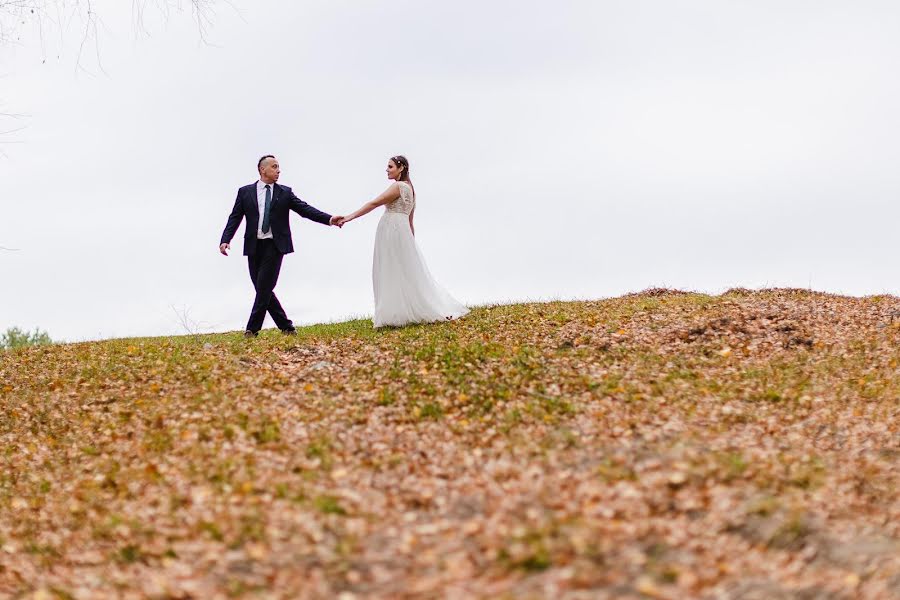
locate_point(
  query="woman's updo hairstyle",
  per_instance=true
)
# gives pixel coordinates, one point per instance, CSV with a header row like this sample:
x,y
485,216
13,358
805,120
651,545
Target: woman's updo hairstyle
x,y
401,162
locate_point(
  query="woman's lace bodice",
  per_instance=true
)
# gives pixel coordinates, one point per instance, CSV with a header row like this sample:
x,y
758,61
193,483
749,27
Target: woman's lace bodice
x,y
405,203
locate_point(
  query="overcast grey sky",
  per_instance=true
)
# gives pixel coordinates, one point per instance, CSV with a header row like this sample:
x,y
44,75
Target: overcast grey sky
x,y
575,149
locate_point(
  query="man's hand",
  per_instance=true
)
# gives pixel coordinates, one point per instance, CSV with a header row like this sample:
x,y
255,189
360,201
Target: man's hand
x,y
336,220
223,248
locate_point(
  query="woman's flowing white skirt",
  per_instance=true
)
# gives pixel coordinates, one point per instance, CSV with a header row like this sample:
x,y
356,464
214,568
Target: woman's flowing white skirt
x,y
405,291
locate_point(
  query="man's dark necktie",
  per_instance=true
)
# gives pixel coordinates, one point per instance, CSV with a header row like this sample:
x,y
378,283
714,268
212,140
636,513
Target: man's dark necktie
x,y
265,222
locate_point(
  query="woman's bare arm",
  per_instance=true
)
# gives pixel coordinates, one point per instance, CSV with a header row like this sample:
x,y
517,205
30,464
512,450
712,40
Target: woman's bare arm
x,y
411,226
389,195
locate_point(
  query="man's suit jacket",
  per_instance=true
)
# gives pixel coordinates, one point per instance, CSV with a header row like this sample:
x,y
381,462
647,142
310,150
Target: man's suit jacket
x,y
283,201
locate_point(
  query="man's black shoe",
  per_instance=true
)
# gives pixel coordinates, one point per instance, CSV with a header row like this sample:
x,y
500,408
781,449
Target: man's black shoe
x,y
250,334
291,331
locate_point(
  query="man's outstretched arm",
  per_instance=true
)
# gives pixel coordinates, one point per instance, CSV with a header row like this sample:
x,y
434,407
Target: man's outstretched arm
x,y
310,212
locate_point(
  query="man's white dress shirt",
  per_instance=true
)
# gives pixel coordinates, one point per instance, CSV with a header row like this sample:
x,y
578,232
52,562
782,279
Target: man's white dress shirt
x,y
261,202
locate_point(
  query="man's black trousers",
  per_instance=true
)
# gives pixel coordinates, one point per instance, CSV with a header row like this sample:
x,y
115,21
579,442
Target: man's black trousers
x,y
265,264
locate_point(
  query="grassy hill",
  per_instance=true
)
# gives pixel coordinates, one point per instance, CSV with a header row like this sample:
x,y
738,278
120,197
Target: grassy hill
x,y
661,445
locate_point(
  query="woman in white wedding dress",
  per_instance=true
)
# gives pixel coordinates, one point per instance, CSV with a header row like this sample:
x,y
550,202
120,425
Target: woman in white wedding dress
x,y
405,291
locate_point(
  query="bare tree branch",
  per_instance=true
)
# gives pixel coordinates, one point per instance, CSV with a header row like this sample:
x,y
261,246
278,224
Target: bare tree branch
x,y
61,16
187,323
8,131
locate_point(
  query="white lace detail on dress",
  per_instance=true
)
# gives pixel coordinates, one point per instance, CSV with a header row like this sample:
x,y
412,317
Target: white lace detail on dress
x,y
405,203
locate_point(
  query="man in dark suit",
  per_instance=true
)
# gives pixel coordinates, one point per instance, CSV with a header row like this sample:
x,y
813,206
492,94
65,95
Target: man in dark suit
x,y
267,238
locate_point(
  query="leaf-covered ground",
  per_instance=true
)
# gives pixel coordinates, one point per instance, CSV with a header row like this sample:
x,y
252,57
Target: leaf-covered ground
x,y
661,445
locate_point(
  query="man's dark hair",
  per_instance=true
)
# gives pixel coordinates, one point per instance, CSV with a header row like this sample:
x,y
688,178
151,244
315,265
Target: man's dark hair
x,y
259,164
